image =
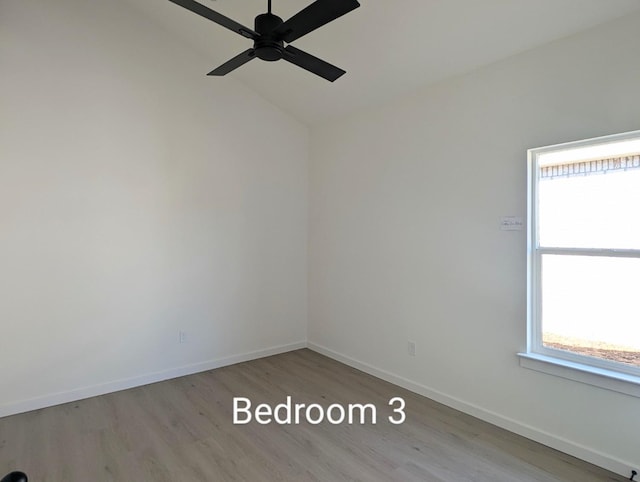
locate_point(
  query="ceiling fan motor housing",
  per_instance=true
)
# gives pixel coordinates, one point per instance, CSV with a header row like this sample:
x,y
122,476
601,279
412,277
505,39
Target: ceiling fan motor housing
x,y
267,46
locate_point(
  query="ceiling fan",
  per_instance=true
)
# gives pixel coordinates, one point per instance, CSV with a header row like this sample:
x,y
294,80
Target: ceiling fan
x,y
271,33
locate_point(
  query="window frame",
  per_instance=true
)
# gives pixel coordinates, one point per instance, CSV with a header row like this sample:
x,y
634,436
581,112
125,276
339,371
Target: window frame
x,y
603,373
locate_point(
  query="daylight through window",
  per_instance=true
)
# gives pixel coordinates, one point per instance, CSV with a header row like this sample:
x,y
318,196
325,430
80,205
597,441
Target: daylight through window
x,y
584,252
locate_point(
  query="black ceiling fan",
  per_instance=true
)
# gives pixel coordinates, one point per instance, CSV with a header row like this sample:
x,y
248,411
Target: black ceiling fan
x,y
271,33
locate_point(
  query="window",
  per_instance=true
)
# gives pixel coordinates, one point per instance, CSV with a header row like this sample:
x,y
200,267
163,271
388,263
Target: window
x,y
584,261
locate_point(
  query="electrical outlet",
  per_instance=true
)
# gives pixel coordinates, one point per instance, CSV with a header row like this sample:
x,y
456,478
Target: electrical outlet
x,y
411,348
183,337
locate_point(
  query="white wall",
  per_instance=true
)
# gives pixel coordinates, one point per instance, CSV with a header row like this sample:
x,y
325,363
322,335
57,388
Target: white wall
x,y
405,242
138,198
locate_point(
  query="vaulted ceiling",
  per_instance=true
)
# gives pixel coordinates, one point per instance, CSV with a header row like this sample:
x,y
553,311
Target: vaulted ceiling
x,y
386,47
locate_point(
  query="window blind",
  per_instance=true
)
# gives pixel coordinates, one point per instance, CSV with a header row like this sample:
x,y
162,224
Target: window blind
x,y
585,168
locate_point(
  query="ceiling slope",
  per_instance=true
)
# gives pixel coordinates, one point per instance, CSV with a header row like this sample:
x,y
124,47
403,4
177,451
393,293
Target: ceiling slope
x,y
387,48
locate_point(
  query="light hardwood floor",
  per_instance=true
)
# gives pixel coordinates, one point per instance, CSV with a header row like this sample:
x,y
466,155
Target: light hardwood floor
x,y
181,430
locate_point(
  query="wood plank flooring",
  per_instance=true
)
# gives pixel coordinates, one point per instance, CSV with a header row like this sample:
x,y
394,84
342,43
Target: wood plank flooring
x,y
182,430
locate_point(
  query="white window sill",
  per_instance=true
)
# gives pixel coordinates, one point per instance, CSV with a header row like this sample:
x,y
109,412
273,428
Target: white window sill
x,y
599,377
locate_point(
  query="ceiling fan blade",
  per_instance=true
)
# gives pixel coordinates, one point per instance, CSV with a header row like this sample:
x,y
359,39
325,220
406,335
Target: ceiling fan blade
x,y
216,17
314,16
234,63
312,64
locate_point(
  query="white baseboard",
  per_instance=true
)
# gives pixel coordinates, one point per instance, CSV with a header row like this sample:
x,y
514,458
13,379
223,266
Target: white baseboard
x,y
117,385
587,454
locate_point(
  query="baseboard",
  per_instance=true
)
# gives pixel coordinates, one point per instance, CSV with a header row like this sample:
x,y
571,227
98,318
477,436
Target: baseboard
x,y
124,384
554,441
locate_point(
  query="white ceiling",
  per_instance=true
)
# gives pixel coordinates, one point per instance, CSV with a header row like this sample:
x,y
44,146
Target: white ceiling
x,y
386,47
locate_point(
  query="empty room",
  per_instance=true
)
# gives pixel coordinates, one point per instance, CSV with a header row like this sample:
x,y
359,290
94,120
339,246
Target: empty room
x,y
319,240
